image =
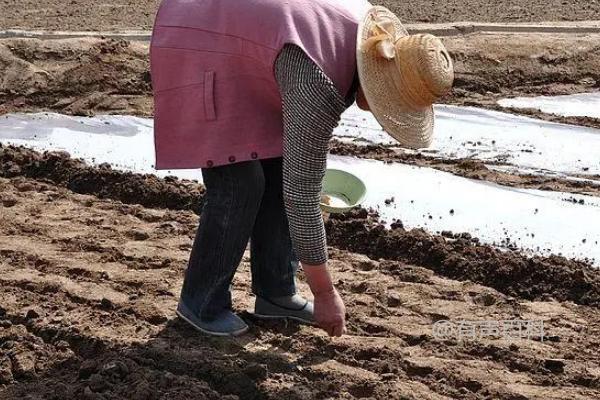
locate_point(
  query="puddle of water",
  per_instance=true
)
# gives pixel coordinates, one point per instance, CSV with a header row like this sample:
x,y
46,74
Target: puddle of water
x,y
467,132
573,105
543,222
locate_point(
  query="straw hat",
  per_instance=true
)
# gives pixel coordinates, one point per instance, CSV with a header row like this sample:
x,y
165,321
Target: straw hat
x,y
401,76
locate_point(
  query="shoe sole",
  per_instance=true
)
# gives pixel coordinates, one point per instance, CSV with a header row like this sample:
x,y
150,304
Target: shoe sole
x,y
213,333
297,319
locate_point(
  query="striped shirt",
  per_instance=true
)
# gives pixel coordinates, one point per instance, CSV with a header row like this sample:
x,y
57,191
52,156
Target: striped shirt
x,y
312,108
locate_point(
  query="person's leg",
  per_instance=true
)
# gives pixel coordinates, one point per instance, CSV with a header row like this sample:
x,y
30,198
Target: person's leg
x,y
273,261
232,199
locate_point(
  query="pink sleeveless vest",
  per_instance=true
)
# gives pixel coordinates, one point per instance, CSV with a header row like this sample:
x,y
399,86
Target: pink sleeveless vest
x,y
212,64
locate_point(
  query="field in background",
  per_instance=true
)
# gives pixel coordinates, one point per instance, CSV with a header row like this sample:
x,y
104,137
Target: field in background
x,y
139,14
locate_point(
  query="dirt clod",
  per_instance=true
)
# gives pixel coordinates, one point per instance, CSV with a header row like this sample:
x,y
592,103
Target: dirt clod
x,y
23,364
9,201
32,314
137,234
6,375
554,365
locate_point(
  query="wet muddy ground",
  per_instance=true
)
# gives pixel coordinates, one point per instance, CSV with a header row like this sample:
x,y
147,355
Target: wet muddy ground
x,y
89,285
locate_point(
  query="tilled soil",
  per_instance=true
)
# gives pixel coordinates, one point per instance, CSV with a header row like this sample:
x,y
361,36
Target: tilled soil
x,y
103,182
80,76
493,11
94,75
89,285
139,14
491,66
359,231
91,259
589,122
78,15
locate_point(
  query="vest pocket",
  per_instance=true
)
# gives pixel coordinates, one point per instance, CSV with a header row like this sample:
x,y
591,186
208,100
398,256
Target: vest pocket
x,y
191,101
209,98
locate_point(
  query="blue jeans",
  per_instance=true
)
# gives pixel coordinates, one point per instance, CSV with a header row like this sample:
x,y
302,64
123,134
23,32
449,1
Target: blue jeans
x,y
243,201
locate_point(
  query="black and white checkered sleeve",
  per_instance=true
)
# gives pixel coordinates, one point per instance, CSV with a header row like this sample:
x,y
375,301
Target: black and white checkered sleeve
x,y
312,107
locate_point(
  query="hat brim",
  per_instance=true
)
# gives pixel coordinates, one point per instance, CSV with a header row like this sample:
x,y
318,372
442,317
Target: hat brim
x,y
412,129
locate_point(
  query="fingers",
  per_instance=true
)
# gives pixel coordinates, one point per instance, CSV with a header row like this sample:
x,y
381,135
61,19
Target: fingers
x,y
338,330
330,330
335,330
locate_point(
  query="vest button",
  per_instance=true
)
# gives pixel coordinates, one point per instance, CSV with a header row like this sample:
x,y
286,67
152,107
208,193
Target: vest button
x,y
254,155
231,159
209,163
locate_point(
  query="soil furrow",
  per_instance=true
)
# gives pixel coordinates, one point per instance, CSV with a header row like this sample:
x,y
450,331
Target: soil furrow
x,y
103,182
459,258
91,350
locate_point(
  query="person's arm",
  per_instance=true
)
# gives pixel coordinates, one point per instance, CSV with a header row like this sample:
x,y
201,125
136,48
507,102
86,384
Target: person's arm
x,y
311,110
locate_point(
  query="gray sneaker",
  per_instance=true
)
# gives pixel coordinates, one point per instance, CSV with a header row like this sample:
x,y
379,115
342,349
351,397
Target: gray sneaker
x,y
288,307
225,324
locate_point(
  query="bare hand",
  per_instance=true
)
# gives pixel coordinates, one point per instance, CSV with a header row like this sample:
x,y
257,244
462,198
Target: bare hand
x,y
330,312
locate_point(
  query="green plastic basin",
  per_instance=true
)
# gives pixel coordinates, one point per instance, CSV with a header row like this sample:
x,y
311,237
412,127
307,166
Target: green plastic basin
x,y
342,190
